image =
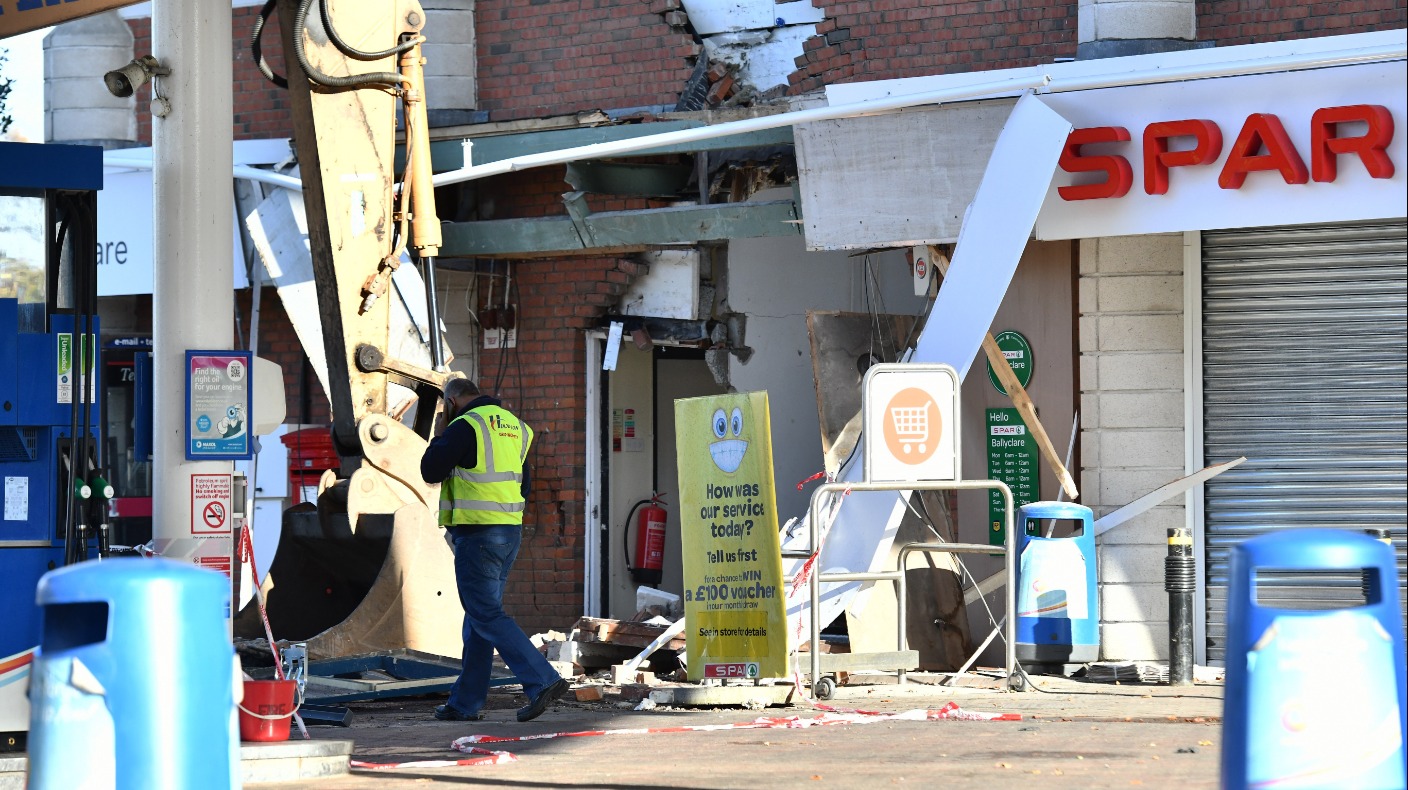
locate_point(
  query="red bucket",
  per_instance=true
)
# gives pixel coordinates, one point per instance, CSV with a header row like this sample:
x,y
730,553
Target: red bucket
x,y
266,710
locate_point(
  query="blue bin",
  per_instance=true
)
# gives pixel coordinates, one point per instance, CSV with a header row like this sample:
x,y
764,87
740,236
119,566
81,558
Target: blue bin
x,y
133,683
1314,698
1058,606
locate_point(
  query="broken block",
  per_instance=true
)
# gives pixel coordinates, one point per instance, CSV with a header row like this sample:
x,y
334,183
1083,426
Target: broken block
x,y
589,694
620,676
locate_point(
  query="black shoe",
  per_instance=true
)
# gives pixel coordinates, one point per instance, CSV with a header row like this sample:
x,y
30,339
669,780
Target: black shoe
x,y
447,713
545,697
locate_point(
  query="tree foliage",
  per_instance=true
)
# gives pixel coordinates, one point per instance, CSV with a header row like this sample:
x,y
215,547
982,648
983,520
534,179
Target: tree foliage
x,y
5,82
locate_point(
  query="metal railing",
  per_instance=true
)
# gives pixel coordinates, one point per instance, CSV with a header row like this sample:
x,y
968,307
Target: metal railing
x,y
817,577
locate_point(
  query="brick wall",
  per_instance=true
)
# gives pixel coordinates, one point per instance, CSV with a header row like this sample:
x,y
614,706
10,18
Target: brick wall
x,y
1228,22
261,109
541,380
888,39
1132,426
540,58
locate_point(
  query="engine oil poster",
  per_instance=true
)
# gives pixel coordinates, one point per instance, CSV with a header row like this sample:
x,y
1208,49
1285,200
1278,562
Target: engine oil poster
x,y
735,614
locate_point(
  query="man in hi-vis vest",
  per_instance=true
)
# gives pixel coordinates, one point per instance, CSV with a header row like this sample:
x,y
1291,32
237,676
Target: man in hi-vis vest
x,y
479,460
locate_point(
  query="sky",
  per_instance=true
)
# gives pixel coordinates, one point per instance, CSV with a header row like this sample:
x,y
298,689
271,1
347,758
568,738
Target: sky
x,y
25,65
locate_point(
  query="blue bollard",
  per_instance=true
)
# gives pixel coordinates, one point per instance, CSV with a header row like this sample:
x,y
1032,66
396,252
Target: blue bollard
x,y
1314,698
133,683
1058,606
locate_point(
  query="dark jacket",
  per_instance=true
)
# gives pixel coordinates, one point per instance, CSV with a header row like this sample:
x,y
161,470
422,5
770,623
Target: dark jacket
x,y
457,446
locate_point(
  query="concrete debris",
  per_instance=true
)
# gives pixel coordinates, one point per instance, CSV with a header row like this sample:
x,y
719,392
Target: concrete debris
x,y
539,640
645,704
602,644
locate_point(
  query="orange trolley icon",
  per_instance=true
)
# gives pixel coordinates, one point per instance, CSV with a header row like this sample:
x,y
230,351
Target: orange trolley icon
x,y
912,426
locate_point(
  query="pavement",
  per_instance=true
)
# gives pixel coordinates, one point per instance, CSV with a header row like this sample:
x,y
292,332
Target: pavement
x,y
1065,734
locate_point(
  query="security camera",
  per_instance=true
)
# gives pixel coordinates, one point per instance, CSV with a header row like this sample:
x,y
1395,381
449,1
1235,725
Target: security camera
x,y
122,82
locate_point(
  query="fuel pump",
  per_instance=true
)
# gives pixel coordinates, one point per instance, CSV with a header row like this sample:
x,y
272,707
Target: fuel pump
x,y
51,440
650,540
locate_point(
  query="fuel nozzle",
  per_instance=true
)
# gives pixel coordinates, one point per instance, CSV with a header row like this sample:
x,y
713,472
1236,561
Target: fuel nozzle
x,y
102,489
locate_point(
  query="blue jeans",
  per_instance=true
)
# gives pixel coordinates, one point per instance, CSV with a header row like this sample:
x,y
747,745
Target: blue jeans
x,y
484,555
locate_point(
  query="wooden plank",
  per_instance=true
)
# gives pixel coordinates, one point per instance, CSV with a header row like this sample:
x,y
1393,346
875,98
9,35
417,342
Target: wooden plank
x,y
1027,409
618,632
1019,396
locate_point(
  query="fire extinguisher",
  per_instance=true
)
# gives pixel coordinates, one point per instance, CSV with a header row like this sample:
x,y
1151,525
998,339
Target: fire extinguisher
x,y
650,540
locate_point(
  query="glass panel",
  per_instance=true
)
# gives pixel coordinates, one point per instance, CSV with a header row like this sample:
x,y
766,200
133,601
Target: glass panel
x,y
22,249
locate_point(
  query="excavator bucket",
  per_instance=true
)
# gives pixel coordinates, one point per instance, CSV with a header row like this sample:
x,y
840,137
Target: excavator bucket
x,y
367,569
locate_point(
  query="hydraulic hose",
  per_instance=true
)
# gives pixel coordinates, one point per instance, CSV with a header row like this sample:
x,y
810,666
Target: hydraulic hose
x,y
257,50
300,26
351,51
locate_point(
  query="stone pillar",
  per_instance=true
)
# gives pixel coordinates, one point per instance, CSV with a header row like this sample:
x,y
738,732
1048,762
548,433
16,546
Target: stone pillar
x,y
450,62
1115,28
77,106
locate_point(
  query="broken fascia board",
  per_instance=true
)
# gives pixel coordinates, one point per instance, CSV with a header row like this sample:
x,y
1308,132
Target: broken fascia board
x,y
1154,67
993,235
991,243
1109,521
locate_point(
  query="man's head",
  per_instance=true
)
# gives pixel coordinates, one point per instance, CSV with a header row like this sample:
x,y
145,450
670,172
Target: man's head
x,y
458,394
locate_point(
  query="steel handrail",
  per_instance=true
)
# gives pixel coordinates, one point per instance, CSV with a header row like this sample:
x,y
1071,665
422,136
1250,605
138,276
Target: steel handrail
x,y
817,576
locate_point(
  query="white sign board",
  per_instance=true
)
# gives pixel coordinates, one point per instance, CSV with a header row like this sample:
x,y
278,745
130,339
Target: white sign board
x,y
210,504
911,423
1297,147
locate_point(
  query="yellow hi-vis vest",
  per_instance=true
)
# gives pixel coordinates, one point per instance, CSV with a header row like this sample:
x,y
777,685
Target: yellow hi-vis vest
x,y
489,493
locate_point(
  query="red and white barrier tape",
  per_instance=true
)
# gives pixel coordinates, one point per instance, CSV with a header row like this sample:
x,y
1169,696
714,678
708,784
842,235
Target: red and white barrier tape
x,y
491,758
951,711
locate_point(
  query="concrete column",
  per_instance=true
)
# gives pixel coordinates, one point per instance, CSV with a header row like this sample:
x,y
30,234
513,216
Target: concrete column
x,y
1114,28
193,295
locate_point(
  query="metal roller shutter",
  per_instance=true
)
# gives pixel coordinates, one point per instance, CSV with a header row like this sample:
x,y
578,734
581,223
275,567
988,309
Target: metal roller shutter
x,y
1304,373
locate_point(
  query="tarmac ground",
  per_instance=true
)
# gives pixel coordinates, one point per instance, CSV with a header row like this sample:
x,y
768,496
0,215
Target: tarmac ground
x,y
1067,734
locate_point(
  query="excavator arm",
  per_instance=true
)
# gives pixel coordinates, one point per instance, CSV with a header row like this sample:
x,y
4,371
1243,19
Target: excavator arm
x,y
369,570
351,63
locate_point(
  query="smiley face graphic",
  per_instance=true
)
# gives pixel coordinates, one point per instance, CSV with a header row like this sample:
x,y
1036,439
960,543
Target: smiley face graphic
x,y
728,452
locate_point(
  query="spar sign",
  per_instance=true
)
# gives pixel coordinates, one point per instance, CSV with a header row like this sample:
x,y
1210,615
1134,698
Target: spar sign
x,y
1323,145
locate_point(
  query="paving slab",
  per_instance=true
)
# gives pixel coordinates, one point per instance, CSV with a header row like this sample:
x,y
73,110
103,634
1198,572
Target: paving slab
x,y
1070,734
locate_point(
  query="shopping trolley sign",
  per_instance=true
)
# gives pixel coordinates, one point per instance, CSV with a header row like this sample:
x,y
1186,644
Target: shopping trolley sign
x,y
911,423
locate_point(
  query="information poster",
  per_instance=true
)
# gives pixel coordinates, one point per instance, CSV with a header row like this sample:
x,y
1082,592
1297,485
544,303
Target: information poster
x,y
735,614
217,405
1011,459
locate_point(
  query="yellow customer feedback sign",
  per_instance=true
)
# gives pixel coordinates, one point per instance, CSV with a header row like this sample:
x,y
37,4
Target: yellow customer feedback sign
x,y
734,608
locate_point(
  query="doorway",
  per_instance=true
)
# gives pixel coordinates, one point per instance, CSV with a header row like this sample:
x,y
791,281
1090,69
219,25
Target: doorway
x,y
635,429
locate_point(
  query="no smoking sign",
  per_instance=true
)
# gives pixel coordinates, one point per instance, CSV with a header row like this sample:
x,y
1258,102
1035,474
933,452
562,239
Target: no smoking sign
x,y
210,504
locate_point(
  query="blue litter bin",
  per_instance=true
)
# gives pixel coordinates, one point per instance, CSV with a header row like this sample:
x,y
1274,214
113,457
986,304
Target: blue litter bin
x,y
1058,607
1314,698
133,683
